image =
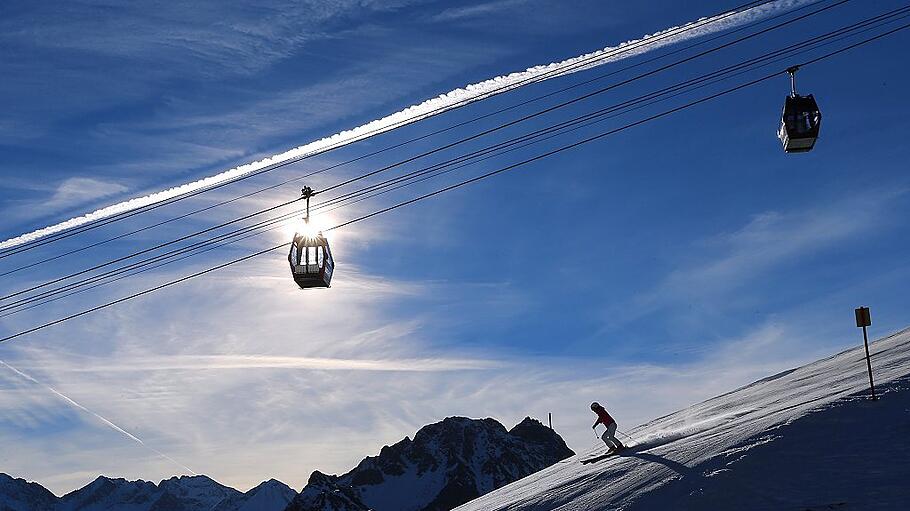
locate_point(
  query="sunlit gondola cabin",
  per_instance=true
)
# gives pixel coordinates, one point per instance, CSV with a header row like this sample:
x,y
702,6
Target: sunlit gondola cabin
x,y
311,261
799,124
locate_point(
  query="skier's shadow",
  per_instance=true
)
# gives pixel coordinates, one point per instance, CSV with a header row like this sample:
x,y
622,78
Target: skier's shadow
x,y
675,466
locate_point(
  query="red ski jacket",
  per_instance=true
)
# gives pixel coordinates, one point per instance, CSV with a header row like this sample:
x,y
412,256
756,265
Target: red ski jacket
x,y
603,417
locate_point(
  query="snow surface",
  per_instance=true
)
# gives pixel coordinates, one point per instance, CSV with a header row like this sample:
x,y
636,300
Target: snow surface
x,y
804,439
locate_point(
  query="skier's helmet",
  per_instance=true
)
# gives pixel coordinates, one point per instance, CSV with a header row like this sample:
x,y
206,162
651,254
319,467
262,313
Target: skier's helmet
x,y
595,405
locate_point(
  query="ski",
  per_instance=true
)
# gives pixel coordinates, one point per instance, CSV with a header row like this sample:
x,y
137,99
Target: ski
x,y
599,457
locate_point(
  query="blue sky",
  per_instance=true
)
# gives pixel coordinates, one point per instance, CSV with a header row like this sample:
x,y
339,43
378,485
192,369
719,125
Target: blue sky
x,y
655,268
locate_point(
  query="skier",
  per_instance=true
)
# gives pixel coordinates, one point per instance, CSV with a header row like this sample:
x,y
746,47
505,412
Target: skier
x,y
609,436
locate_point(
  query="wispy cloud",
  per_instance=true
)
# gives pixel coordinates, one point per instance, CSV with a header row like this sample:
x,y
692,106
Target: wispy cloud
x,y
246,37
472,11
43,201
80,190
316,103
726,262
139,48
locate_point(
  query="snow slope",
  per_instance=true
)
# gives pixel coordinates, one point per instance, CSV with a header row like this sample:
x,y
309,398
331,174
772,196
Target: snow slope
x,y
804,439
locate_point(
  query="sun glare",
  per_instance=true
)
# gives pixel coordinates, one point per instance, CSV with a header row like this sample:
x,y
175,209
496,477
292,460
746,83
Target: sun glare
x,y
298,226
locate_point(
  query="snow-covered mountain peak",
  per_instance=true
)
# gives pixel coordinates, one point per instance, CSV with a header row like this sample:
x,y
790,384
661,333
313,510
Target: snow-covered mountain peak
x,y
199,491
271,495
323,493
111,493
447,463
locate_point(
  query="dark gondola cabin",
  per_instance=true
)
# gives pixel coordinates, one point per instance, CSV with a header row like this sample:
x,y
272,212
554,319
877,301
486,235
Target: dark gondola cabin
x,y
311,261
800,120
799,124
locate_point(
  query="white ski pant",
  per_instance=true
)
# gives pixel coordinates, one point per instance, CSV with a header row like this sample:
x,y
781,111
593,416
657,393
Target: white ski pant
x,y
609,437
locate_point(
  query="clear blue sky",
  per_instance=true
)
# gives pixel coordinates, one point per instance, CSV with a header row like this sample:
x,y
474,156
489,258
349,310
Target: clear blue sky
x,y
655,268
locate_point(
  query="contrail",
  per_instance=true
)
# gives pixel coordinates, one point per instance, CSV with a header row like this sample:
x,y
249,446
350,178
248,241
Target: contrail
x,y
437,105
233,362
99,417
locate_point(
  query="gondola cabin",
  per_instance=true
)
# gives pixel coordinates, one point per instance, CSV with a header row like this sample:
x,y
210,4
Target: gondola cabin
x,y
800,120
799,124
311,261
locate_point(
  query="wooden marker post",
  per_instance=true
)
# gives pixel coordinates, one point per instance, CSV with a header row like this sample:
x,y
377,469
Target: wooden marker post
x,y
864,319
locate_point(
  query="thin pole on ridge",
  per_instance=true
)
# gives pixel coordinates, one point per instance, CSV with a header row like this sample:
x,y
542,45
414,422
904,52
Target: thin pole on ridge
x,y
864,320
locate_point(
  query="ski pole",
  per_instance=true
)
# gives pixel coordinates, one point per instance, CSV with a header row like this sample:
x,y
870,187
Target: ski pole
x,y
625,435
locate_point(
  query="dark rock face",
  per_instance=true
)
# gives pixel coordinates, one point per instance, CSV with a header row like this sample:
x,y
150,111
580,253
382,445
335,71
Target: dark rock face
x,y
447,464
322,492
21,495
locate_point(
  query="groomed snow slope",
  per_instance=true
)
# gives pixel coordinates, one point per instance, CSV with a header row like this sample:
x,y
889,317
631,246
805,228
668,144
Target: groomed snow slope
x,y
804,439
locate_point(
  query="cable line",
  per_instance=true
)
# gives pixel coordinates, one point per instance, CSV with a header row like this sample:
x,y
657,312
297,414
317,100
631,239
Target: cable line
x,y
130,274
645,100
588,95
641,101
590,61
458,185
447,146
415,139
505,88
145,251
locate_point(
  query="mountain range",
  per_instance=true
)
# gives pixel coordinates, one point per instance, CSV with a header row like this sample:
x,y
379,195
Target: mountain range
x,y
446,464
184,493
808,438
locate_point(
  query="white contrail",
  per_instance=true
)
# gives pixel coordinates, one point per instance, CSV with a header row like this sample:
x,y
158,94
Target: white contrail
x,y
439,104
97,416
233,362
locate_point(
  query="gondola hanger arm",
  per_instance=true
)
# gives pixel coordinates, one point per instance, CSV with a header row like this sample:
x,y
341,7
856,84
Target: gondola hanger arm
x,y
307,192
792,72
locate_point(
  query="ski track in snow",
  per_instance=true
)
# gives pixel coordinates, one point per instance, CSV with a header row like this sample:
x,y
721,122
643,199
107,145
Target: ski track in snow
x,y
665,436
808,438
431,107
